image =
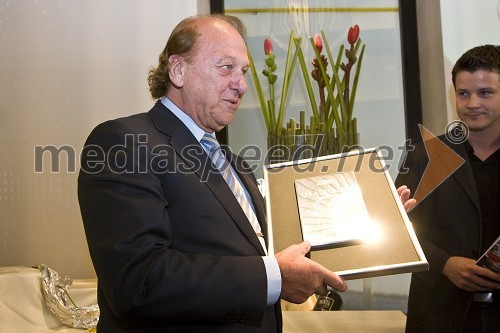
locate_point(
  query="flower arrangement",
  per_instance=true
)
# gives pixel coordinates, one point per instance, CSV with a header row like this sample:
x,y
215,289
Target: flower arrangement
x,y
332,116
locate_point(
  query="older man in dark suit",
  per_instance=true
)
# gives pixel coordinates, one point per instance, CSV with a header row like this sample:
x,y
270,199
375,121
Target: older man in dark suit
x,y
175,226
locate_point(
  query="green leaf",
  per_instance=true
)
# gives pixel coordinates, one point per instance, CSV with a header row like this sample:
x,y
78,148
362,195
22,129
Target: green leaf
x,y
307,80
340,127
289,65
356,78
258,87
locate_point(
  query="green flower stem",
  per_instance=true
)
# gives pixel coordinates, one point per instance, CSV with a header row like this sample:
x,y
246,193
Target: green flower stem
x,y
272,118
289,65
307,81
258,87
347,78
356,78
302,121
340,126
333,102
355,130
337,101
322,104
350,134
271,105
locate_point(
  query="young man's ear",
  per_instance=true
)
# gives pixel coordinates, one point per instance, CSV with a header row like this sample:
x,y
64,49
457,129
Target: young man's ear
x,y
176,70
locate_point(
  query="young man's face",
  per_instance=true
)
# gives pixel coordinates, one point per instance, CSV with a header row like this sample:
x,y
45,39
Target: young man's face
x,y
478,100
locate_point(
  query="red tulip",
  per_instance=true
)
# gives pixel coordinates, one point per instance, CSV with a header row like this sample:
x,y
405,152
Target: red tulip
x,y
353,34
268,46
318,42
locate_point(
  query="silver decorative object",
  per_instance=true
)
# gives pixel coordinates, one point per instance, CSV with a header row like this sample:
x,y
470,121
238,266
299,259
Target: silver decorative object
x,y
56,294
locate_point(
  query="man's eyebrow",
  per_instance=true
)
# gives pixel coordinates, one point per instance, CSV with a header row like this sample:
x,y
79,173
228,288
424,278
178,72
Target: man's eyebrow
x,y
227,57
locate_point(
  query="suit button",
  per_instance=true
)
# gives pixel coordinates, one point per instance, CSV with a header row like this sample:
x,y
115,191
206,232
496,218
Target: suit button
x,y
242,318
237,318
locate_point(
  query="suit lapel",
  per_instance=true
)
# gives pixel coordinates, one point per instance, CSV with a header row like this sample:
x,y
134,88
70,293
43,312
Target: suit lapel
x,y
191,152
463,175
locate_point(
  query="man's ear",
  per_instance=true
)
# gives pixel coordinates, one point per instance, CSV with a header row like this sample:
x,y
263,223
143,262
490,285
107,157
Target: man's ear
x,y
176,70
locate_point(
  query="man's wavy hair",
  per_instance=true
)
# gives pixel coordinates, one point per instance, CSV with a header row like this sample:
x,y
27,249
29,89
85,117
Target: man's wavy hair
x,y
484,57
181,41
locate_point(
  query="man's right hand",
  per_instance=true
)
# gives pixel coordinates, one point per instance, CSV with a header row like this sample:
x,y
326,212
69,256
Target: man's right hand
x,y
466,275
302,277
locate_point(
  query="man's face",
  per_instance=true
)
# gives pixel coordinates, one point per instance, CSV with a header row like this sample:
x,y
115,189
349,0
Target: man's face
x,y
478,100
214,78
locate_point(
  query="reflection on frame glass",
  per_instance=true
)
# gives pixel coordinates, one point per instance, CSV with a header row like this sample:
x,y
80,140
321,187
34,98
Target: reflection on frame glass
x,y
332,211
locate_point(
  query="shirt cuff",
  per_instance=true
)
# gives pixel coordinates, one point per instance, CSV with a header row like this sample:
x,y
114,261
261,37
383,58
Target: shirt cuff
x,y
273,279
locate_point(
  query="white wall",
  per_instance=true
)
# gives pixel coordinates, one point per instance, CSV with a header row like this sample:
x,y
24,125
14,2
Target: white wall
x,y
65,66
465,24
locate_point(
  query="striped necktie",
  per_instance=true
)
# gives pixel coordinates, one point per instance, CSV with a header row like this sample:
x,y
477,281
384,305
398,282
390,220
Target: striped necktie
x,y
219,159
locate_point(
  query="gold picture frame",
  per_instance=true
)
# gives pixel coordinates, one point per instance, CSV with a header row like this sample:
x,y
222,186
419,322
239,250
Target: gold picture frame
x,y
395,251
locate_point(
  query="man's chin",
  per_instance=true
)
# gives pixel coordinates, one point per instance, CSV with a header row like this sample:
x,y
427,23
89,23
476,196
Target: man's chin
x,y
221,125
476,128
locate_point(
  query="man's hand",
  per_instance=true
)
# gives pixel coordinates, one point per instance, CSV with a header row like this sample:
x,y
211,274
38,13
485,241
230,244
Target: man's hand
x,y
466,275
404,195
302,277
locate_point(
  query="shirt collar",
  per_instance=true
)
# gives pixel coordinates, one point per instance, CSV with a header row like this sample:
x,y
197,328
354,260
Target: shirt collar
x,y
495,157
196,130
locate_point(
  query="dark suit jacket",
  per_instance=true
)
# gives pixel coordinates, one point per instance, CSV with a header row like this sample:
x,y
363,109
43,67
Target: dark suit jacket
x,y
172,249
447,223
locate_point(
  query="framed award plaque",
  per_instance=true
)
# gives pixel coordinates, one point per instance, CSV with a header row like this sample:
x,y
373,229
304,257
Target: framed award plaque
x,y
347,207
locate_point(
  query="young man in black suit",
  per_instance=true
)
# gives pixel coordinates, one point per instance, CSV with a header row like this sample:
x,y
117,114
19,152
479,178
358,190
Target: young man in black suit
x,y
460,219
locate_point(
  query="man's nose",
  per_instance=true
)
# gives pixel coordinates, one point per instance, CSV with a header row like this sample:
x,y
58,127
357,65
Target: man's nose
x,y
239,83
474,101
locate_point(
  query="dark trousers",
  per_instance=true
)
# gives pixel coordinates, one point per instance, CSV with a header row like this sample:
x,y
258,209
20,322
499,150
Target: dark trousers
x,y
483,318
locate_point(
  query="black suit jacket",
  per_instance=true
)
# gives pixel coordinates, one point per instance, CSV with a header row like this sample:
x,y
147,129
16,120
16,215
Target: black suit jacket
x,y
447,223
172,248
